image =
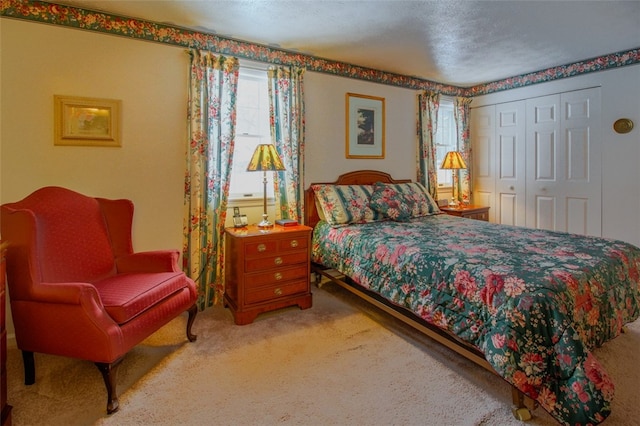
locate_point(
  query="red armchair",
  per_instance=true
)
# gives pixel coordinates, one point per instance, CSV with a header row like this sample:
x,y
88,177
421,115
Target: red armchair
x,y
76,287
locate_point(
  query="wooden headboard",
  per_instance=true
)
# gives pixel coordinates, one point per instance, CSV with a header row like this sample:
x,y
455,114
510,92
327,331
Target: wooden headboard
x,y
358,177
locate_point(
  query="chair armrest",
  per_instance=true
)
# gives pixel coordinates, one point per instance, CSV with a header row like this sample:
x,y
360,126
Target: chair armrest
x,y
70,321
66,293
149,261
76,296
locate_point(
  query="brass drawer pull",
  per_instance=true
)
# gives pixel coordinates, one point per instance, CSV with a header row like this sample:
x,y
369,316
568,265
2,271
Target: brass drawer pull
x,y
278,261
294,243
277,276
277,292
262,247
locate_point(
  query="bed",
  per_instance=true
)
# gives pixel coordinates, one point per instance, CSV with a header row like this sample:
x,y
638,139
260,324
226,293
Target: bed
x,y
528,305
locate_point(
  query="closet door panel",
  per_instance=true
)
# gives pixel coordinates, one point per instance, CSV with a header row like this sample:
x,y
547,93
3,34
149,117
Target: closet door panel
x,y
545,155
542,129
578,215
511,163
564,153
545,212
582,183
508,209
483,136
483,198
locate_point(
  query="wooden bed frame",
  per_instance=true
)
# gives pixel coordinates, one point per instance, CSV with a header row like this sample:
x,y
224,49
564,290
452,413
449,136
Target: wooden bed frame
x,y
522,405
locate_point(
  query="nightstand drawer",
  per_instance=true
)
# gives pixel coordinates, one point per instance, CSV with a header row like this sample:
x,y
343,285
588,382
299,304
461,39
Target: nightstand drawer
x,y
266,248
271,292
288,244
276,276
262,248
479,216
261,263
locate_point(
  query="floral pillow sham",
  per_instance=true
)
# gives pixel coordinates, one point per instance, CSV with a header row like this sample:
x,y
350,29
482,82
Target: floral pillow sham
x,y
391,203
346,204
401,197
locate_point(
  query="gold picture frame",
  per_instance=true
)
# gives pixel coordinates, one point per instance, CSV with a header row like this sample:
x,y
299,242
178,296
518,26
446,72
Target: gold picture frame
x,y
82,121
365,126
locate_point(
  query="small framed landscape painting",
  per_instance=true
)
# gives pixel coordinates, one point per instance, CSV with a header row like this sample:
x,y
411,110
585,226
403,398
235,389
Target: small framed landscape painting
x,y
86,121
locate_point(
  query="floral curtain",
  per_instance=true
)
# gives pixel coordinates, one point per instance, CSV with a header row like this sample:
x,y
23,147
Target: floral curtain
x,y
286,110
428,104
462,186
211,127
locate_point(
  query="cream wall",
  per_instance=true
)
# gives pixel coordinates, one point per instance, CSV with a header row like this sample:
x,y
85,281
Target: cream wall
x,y
39,61
326,134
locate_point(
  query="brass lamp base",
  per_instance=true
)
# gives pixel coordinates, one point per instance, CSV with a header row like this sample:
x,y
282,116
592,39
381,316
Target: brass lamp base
x,y
265,222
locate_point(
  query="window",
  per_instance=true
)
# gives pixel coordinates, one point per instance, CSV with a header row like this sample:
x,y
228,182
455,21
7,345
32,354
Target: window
x,y
252,128
446,139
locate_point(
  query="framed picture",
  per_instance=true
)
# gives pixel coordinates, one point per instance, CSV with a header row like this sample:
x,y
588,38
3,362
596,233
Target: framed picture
x,y
86,121
365,126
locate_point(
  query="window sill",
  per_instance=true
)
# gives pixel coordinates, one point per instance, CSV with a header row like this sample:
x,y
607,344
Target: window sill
x,y
249,202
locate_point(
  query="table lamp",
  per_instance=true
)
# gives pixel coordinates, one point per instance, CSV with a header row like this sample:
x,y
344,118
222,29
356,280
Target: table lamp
x,y
453,161
265,158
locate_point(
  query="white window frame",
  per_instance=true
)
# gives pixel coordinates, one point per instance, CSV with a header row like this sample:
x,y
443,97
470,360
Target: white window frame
x,y
445,140
254,134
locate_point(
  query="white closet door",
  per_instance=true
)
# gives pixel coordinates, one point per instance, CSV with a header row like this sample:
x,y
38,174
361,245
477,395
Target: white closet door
x,y
583,163
483,130
510,164
564,178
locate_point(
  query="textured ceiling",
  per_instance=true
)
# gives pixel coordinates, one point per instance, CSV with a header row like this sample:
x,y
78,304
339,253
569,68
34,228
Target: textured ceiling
x,y
459,42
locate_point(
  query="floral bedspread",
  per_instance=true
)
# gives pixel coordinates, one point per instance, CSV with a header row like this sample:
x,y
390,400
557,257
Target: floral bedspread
x,y
534,302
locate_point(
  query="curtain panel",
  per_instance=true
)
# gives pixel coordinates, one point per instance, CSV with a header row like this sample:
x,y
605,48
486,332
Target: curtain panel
x,y
428,104
462,190
213,82
286,116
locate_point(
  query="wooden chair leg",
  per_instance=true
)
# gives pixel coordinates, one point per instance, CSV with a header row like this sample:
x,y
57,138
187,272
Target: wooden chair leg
x,y
109,374
192,316
29,368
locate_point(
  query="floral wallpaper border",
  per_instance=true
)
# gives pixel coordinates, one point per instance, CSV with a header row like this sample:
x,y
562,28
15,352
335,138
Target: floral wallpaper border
x,y
51,13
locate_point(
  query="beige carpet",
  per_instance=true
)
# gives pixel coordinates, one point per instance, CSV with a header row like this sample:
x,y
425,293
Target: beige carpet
x,y
338,363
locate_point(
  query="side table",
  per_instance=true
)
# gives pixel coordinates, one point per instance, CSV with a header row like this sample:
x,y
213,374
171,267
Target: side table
x,y
469,211
266,269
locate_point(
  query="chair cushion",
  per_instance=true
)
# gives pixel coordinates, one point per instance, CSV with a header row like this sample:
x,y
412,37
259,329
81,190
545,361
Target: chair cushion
x,y
126,296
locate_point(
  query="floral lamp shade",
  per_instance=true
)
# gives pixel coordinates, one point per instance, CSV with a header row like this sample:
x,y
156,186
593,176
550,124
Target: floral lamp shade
x,y
265,158
453,160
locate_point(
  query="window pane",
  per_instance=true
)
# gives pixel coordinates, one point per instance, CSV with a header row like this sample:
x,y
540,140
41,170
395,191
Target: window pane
x,y
252,128
446,140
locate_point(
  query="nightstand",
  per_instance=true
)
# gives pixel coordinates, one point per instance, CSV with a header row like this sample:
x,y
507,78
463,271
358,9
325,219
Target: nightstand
x,y
266,270
470,211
